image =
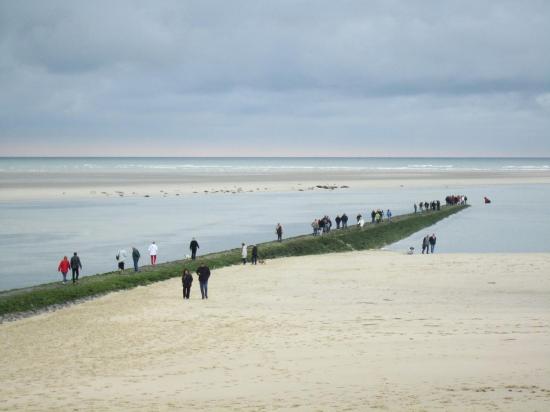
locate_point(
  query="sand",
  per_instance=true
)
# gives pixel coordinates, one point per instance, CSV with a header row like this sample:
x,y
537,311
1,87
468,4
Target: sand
x,y
16,186
352,331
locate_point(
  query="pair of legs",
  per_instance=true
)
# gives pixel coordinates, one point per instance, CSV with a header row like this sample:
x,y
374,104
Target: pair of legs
x,y
244,261
254,260
136,269
280,238
432,247
427,249
186,292
193,253
75,275
64,277
204,289
153,260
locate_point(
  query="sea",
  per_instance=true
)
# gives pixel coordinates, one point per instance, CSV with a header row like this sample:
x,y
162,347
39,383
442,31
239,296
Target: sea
x,y
35,235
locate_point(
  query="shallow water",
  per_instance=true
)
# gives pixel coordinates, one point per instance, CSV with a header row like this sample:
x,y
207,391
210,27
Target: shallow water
x,y
34,236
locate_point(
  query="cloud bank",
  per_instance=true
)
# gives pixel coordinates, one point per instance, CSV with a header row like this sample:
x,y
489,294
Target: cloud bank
x,y
361,78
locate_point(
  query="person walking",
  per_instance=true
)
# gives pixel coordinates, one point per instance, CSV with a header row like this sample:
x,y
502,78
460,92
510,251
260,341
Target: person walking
x,y
254,255
338,220
432,241
204,274
389,215
135,257
279,231
244,253
153,251
425,243
63,267
121,257
186,281
315,226
76,266
344,221
415,208
194,245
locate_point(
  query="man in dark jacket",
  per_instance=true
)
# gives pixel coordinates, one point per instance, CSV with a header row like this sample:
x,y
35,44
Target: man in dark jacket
x,y
338,220
75,267
135,256
432,241
204,273
255,255
186,281
194,245
344,221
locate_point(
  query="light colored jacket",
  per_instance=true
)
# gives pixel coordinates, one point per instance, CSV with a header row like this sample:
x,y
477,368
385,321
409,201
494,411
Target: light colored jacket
x,y
244,252
153,249
122,255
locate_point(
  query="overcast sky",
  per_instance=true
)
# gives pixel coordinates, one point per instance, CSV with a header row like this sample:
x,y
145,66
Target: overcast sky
x,y
329,78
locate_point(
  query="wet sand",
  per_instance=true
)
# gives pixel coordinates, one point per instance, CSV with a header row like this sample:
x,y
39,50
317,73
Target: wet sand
x,y
350,331
39,186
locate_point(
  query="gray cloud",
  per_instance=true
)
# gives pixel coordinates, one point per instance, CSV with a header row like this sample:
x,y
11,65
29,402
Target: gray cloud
x,y
318,77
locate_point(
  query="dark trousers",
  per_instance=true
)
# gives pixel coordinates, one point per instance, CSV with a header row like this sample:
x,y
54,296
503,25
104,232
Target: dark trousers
x,y
254,260
186,292
193,253
136,260
75,275
204,288
280,237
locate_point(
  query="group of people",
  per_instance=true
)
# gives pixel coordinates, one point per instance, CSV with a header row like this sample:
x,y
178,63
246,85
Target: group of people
x,y
253,256
324,224
75,265
427,206
203,273
428,243
456,200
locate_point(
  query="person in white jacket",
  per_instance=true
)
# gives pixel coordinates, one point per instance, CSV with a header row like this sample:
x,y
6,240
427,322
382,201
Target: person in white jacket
x,y
153,250
244,253
121,257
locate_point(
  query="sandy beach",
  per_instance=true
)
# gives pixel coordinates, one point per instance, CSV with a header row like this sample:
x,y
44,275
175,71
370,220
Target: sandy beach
x,y
352,331
15,186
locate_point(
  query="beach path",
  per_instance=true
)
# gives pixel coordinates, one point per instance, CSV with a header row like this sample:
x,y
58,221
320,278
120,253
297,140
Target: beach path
x,y
349,331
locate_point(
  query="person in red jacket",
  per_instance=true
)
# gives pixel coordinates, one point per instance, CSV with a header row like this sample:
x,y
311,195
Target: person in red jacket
x,y
64,267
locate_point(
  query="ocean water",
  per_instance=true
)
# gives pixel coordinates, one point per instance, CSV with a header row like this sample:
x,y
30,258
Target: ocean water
x,y
35,235
266,164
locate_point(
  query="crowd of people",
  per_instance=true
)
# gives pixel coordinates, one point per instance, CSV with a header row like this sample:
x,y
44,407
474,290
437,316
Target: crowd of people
x,y
456,200
320,226
427,206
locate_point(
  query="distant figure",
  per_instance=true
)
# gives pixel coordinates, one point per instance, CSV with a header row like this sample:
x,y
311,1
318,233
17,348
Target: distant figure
x,y
415,208
361,222
135,257
344,221
244,253
153,250
425,243
204,274
186,281
64,267
389,215
121,257
279,231
438,205
75,267
358,217
432,241
486,200
373,216
410,251
421,204
194,245
255,255
315,226
338,221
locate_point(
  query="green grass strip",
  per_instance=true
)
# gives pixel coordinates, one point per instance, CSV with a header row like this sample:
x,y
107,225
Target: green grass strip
x,y
39,297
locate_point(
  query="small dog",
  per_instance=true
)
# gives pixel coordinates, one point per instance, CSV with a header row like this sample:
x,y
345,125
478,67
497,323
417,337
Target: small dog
x,y
261,261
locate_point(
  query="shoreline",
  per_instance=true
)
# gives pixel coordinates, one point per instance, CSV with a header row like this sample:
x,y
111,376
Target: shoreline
x,y
17,186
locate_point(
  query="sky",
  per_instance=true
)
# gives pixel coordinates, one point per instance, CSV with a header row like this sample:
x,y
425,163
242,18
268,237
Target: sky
x,y
275,78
